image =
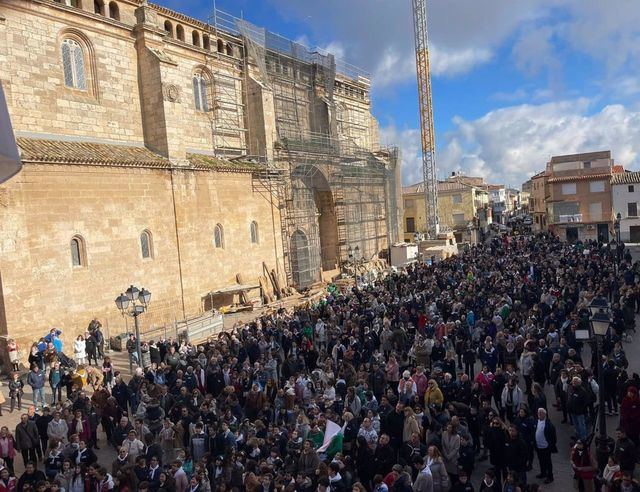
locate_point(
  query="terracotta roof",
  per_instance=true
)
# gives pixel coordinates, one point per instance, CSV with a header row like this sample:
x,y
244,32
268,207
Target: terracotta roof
x,y
446,186
541,174
414,188
88,153
626,178
588,156
62,152
584,177
617,169
201,161
443,187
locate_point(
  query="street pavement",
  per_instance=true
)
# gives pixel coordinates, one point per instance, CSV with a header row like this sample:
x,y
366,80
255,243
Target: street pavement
x,y
561,464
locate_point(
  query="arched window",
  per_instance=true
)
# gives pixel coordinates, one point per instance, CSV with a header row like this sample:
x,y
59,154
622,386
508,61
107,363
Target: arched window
x,y
200,91
220,46
218,236
229,50
98,7
169,28
114,11
78,252
195,38
180,32
253,231
73,65
146,244
206,42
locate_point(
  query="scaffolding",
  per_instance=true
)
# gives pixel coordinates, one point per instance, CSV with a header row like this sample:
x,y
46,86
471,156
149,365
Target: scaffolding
x,y
226,106
336,193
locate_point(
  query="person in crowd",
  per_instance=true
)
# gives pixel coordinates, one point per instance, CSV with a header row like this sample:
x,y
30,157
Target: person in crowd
x,y
80,350
360,389
36,380
7,448
27,439
545,444
583,467
16,390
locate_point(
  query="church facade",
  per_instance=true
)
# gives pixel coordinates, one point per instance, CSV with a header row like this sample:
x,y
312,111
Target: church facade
x,y
173,154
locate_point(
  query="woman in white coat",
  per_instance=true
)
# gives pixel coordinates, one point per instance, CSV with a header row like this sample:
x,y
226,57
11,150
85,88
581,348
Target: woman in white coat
x,y
80,350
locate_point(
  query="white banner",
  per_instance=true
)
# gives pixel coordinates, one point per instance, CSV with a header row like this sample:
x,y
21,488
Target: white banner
x,y
332,429
9,156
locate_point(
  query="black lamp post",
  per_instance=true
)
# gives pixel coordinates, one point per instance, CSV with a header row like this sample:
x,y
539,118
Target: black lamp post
x,y
133,303
600,322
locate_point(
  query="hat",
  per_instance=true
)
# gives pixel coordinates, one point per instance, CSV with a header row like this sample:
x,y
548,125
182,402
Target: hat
x,y
406,374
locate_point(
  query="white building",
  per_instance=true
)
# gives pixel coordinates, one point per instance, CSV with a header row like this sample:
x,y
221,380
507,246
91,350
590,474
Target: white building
x,y
625,190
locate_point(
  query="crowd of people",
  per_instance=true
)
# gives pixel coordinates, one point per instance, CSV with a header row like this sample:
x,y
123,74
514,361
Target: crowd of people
x,y
435,379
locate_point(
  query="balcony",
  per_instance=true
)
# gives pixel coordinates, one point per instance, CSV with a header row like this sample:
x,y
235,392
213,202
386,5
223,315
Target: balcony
x,y
566,219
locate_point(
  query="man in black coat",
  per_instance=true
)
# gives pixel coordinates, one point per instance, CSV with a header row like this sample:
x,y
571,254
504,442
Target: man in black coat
x,y
577,407
384,457
27,439
394,425
515,452
30,477
625,451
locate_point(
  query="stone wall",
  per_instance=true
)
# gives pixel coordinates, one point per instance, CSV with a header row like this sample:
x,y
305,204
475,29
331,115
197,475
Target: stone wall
x,y
109,207
37,97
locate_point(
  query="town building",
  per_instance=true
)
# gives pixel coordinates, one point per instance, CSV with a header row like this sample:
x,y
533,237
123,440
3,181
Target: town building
x,y
498,202
625,189
462,207
578,196
537,201
177,155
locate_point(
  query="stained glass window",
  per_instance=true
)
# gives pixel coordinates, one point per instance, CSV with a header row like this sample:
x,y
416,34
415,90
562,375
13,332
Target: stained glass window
x,y
73,65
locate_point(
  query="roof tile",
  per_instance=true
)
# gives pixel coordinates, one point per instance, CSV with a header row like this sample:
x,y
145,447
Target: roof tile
x,y
58,151
626,178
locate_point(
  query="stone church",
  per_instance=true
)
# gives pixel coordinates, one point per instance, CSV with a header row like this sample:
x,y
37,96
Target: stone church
x,y
174,154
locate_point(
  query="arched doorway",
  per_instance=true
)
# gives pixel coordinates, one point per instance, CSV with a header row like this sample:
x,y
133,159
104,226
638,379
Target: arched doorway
x,y
312,210
301,263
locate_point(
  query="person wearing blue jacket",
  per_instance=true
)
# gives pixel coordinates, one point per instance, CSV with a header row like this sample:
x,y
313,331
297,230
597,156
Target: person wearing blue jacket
x,y
36,380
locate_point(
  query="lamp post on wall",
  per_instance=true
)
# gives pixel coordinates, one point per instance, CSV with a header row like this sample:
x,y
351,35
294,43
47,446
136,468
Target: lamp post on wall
x,y
134,302
600,321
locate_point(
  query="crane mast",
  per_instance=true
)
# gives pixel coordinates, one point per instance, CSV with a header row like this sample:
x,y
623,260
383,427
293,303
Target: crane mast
x,y
429,174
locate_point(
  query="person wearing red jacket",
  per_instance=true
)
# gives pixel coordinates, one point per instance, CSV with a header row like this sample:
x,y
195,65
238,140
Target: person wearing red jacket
x,y
630,414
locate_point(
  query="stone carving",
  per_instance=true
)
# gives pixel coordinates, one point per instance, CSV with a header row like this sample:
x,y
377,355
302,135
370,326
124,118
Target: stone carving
x,y
171,93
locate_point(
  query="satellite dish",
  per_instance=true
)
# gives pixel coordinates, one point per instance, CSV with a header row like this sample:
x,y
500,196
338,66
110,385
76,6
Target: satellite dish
x,y
10,163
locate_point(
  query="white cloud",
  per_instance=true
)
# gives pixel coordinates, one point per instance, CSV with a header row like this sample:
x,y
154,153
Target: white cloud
x,y
465,34
508,145
452,62
408,141
378,34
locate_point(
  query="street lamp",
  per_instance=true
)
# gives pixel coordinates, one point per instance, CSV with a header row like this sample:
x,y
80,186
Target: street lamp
x,y
133,302
600,322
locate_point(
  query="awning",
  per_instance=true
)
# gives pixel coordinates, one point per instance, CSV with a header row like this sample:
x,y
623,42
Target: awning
x,y
234,288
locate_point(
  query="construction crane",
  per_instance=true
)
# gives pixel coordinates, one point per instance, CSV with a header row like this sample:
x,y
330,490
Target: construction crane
x,y
429,174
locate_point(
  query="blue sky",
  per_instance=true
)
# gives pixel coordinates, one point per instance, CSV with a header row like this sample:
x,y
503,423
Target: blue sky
x,y
514,82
